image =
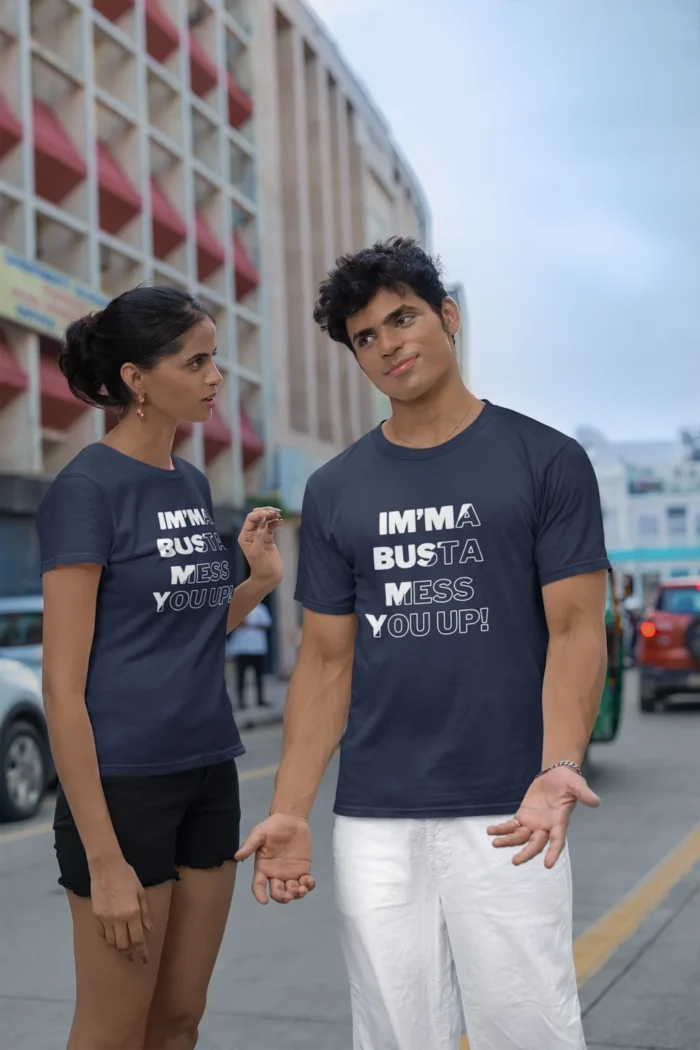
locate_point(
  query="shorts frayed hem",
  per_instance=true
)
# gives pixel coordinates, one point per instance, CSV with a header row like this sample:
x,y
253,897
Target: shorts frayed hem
x,y
157,881
212,866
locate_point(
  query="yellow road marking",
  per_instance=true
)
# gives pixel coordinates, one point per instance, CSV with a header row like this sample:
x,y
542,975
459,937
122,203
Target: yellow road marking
x,y
599,942
255,774
596,944
26,833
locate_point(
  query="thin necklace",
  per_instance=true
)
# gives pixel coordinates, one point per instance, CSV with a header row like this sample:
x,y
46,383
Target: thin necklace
x,y
422,447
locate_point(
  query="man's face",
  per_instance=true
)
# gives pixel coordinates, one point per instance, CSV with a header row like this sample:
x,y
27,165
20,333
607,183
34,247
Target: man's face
x,y
402,345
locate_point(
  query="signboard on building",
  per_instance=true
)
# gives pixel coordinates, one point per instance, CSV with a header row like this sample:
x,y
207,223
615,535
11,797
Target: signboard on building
x,y
41,298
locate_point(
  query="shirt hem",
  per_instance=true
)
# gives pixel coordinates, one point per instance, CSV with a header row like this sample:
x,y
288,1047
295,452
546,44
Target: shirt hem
x,y
329,610
156,769
577,569
485,809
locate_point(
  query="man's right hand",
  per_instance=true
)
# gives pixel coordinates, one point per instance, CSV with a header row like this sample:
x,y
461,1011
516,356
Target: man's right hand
x,y
282,848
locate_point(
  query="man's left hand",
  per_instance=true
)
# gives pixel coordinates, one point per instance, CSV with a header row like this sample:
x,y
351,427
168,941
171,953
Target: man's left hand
x,y
544,816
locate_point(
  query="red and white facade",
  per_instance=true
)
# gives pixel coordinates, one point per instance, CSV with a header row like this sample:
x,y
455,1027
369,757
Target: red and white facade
x,y
127,154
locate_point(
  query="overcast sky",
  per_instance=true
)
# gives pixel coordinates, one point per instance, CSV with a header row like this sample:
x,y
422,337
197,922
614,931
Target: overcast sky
x,y
558,142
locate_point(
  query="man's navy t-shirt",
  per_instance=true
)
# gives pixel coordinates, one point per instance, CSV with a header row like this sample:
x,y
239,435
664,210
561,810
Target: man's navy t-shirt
x,y
442,554
155,692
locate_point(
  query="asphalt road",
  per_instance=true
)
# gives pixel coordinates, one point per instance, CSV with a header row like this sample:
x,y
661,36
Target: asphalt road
x,y
280,981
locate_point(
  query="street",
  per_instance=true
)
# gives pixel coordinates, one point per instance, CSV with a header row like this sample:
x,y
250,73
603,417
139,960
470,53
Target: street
x,y
280,981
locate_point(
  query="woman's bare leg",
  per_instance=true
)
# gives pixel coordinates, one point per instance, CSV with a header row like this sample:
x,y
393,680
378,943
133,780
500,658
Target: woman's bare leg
x,y
113,995
198,912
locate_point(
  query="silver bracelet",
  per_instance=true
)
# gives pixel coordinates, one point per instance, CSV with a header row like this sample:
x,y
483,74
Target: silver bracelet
x,y
570,765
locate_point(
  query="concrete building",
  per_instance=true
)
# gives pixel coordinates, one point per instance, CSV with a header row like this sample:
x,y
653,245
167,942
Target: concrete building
x,y
128,155
331,181
650,492
222,146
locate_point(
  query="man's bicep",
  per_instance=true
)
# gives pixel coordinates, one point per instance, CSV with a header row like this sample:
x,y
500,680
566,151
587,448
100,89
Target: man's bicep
x,y
328,638
574,601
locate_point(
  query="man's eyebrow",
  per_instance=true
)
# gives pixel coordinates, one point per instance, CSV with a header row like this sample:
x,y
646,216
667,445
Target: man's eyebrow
x,y
393,316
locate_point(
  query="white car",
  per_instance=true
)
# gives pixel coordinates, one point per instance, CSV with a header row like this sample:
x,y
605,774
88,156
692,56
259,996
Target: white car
x,y
26,767
21,627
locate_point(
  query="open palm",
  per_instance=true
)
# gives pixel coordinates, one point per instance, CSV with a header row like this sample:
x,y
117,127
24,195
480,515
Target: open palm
x,y
543,817
282,848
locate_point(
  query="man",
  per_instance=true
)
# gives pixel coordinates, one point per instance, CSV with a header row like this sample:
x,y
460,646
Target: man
x,y
248,646
452,572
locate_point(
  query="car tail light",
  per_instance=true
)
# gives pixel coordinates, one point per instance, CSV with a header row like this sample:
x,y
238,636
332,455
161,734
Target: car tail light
x,y
647,629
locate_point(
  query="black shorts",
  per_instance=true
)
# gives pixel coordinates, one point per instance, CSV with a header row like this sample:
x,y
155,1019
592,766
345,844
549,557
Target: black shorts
x,y
189,819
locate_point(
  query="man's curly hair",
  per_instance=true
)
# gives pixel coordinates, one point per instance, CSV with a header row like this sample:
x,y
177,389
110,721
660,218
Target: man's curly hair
x,y
398,265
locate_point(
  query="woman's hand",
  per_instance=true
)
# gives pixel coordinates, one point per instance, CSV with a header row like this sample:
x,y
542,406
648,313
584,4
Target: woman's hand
x,y
257,542
119,904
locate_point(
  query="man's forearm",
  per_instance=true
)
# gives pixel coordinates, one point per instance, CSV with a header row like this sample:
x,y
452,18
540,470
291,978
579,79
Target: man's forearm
x,y
314,721
573,685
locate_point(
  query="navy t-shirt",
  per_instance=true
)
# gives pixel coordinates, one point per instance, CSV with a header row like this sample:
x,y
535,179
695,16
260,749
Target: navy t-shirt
x,y
155,691
442,554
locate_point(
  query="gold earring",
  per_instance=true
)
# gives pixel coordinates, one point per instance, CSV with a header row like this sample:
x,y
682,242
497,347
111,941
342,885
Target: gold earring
x,y
139,411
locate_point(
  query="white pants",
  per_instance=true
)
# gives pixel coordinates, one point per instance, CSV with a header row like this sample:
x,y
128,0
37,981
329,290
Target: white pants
x,y
429,908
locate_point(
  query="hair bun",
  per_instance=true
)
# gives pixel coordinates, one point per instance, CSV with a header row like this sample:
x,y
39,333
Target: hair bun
x,y
79,362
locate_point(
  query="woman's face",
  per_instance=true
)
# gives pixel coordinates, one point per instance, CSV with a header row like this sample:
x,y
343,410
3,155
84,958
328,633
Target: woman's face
x,y
183,386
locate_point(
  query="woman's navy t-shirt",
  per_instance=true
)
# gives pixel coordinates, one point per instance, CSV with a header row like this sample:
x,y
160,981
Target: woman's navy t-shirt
x,y
442,554
155,693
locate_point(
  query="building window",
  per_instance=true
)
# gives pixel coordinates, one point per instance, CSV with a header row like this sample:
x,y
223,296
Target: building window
x,y
648,525
677,524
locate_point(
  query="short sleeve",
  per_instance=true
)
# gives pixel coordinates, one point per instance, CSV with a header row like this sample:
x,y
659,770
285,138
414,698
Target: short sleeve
x,y
325,580
74,523
570,539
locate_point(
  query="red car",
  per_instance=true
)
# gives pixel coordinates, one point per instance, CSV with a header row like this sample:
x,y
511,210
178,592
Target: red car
x,y
668,650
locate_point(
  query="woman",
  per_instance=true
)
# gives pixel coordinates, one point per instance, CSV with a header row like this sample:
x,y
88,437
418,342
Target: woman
x,y
138,598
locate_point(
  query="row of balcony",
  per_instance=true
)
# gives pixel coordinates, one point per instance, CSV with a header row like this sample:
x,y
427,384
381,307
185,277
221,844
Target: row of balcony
x,y
59,169
163,42
56,33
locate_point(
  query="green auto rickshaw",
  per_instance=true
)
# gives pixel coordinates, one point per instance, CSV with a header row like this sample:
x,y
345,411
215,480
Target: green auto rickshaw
x,y
608,721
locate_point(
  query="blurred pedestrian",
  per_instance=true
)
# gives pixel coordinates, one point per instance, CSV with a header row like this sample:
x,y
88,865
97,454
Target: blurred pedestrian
x,y
634,612
248,646
453,576
137,603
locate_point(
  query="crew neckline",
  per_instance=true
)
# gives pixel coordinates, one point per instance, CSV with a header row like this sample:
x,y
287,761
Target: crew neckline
x,y
176,471
388,448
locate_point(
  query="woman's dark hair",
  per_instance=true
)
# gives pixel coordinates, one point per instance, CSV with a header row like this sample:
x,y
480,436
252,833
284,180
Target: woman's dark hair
x,y
142,326
397,264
